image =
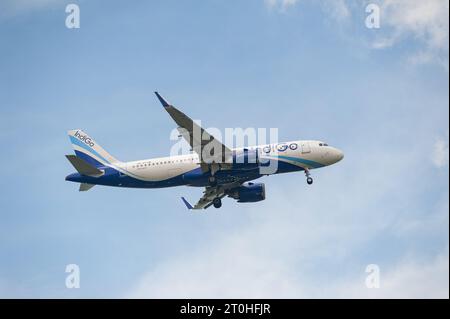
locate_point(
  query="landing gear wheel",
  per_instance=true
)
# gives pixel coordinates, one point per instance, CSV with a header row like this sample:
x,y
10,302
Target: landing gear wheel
x,y
217,202
212,180
309,179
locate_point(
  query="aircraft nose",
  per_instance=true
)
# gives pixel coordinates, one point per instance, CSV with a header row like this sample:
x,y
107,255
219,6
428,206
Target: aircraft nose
x,y
339,155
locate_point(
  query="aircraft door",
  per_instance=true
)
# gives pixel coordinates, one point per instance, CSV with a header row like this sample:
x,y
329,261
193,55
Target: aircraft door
x,y
306,148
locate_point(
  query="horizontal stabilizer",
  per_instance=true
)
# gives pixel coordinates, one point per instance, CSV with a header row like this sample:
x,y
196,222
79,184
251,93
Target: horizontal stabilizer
x,y
83,167
85,187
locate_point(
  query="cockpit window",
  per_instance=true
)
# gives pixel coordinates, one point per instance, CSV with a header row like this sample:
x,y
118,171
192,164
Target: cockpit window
x,y
323,144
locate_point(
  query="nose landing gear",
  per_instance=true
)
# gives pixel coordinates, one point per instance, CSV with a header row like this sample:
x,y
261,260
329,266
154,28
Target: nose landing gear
x,y
309,179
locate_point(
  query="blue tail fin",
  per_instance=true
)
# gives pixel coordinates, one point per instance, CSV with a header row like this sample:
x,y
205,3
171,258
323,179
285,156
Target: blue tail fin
x,y
87,149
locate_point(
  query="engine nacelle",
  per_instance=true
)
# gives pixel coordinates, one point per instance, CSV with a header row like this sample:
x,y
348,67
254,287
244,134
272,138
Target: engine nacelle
x,y
246,159
249,193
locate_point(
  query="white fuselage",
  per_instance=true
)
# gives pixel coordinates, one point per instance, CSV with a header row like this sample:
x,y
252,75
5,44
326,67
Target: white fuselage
x,y
303,154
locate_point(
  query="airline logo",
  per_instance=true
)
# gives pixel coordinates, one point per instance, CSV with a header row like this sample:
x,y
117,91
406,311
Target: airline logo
x,y
280,147
85,139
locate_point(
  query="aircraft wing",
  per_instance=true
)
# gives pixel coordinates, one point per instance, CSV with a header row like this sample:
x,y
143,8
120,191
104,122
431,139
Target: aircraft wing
x,y
197,137
209,194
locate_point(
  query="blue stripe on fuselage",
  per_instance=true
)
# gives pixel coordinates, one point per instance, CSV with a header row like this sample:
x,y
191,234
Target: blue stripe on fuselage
x,y
194,177
112,177
298,160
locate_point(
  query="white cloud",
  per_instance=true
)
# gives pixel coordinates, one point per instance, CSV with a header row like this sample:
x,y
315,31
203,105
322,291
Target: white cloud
x,y
427,20
440,155
237,269
302,246
337,9
10,8
407,279
424,21
281,5
230,269
412,279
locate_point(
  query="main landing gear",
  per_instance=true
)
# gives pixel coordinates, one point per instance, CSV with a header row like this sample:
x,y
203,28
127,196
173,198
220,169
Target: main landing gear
x,y
212,180
217,202
309,179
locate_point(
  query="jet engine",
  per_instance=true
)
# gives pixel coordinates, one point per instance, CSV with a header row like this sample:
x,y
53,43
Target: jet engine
x,y
249,192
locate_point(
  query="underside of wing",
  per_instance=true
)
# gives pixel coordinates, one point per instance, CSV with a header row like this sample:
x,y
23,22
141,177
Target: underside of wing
x,y
210,194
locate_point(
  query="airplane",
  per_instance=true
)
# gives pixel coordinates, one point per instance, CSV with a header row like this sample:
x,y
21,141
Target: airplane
x,y
231,176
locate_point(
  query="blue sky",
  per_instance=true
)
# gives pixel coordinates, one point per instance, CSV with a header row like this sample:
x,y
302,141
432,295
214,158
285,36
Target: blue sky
x,y
311,69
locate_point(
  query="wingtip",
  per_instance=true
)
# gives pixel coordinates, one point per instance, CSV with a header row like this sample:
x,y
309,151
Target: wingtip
x,y
162,100
189,206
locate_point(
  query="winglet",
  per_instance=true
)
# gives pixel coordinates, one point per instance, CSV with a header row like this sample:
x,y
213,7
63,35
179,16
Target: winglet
x,y
189,206
162,100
